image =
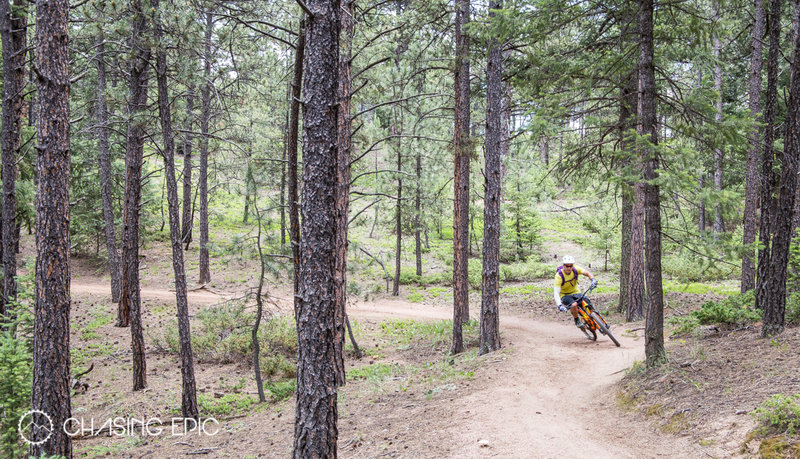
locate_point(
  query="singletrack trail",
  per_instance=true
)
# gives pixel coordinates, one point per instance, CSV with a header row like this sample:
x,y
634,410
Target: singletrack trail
x,y
553,398
197,297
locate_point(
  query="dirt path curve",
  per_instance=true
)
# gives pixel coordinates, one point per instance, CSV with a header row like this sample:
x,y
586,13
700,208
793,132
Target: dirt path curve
x,y
199,297
553,400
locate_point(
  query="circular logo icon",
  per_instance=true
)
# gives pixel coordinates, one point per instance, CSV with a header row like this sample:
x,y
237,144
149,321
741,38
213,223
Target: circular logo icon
x,y
29,428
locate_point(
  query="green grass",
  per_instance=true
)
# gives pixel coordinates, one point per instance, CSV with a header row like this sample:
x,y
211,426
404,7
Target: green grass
x,y
376,372
80,357
90,330
281,390
699,288
227,405
406,333
415,296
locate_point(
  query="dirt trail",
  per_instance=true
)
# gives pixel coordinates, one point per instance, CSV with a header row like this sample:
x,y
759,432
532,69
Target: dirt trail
x,y
200,297
554,400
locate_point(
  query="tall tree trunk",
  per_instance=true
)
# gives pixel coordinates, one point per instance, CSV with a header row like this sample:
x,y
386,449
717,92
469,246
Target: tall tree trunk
x,y
51,354
131,300
205,270
752,181
344,125
654,327
284,160
316,413
189,392
637,295
13,30
701,205
104,161
775,304
718,153
398,215
259,312
627,122
188,140
418,191
418,214
768,179
461,160
496,138
248,182
294,127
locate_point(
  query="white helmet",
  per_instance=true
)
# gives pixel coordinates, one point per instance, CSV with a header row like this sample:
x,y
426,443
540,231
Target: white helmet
x,y
568,260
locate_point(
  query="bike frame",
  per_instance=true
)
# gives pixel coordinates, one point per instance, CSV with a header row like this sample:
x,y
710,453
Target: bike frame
x,y
585,315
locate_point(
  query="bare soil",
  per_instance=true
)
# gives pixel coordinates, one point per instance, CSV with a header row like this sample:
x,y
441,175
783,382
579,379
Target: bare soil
x,y
549,393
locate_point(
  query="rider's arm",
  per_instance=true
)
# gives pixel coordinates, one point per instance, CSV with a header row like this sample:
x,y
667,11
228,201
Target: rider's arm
x,y
588,274
557,289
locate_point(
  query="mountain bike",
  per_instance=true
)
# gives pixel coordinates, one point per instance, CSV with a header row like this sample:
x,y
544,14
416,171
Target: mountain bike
x,y
593,321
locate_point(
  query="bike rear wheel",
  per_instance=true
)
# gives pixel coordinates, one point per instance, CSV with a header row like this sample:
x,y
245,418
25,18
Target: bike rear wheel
x,y
603,327
590,333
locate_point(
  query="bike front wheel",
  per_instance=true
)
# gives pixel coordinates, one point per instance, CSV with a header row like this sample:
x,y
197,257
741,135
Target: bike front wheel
x,y
603,327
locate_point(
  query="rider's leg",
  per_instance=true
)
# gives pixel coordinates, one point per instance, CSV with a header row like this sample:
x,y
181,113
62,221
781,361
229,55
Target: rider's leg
x,y
573,309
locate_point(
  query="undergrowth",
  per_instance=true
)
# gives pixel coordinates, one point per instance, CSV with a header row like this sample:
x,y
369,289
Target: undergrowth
x,y
780,412
224,336
734,311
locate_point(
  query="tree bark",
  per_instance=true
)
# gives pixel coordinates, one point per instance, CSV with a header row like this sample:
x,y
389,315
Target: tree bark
x,y
654,327
637,297
284,160
496,139
398,215
259,312
316,411
130,306
768,179
752,181
13,29
418,214
461,160
775,304
205,270
51,353
188,141
189,407
718,153
294,128
344,124
104,161
627,122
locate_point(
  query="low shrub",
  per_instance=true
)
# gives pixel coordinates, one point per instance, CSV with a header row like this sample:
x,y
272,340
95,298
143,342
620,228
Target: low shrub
x,y
734,311
781,412
281,390
224,336
525,271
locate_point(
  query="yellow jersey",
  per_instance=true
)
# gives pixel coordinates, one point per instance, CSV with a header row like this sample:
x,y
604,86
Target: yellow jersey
x,y
569,284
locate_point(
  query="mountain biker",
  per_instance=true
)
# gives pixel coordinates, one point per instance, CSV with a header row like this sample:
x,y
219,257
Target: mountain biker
x,y
565,290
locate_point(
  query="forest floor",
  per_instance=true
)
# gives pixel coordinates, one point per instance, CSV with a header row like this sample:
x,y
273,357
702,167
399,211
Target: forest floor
x,y
549,393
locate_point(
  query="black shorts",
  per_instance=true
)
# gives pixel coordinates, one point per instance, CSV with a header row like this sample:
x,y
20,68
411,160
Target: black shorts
x,y
574,297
